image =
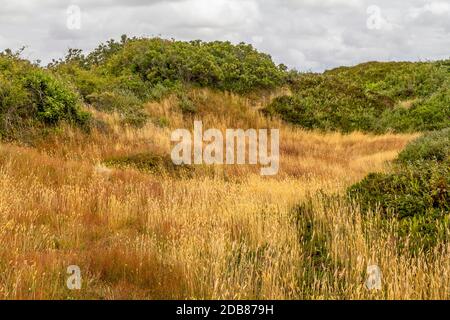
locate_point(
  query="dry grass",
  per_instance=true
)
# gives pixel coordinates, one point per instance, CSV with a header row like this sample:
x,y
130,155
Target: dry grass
x,y
221,233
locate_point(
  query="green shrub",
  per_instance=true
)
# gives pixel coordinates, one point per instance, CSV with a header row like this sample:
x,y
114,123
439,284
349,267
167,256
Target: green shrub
x,y
220,65
417,192
397,80
418,196
113,101
422,172
369,97
328,103
425,231
314,241
86,82
426,114
135,118
30,96
186,105
160,90
125,103
162,122
418,189
122,76
147,67
432,146
52,100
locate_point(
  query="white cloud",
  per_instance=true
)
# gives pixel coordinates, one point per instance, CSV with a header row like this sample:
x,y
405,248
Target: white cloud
x,y
305,34
213,14
436,8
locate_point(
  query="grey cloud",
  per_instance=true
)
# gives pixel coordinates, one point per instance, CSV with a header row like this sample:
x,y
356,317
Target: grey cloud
x,y
304,34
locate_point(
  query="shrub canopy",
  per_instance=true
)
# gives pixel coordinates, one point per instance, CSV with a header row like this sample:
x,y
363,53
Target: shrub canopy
x,y
417,192
371,97
31,96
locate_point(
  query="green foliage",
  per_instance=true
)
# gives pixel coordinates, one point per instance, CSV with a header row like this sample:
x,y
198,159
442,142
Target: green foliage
x,y
417,192
417,189
418,195
328,103
160,91
397,80
239,68
97,57
431,146
51,99
427,114
316,240
425,231
124,103
312,239
30,96
370,97
122,76
162,122
148,66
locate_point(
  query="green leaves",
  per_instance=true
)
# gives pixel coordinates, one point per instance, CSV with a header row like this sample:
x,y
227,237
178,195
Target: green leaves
x,y
371,97
32,96
432,146
122,76
328,103
417,192
51,99
221,65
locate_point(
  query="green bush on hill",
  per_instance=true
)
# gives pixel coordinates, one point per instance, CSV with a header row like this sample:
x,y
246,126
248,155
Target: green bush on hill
x,y
221,65
140,65
371,97
417,192
432,113
31,96
135,71
419,189
397,80
431,146
328,103
120,76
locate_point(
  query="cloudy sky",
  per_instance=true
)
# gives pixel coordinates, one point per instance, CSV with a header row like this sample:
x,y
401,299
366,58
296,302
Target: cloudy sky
x,y
303,34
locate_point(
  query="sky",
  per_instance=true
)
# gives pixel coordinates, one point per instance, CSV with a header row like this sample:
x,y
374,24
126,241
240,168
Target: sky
x,y
308,35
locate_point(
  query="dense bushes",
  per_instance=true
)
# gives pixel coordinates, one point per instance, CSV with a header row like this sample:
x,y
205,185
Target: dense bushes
x,y
328,103
372,97
222,65
30,96
418,196
417,192
122,76
397,80
141,65
432,146
419,189
425,114
51,99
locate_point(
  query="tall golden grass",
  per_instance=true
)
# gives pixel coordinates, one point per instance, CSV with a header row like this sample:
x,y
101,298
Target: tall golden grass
x,y
221,233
